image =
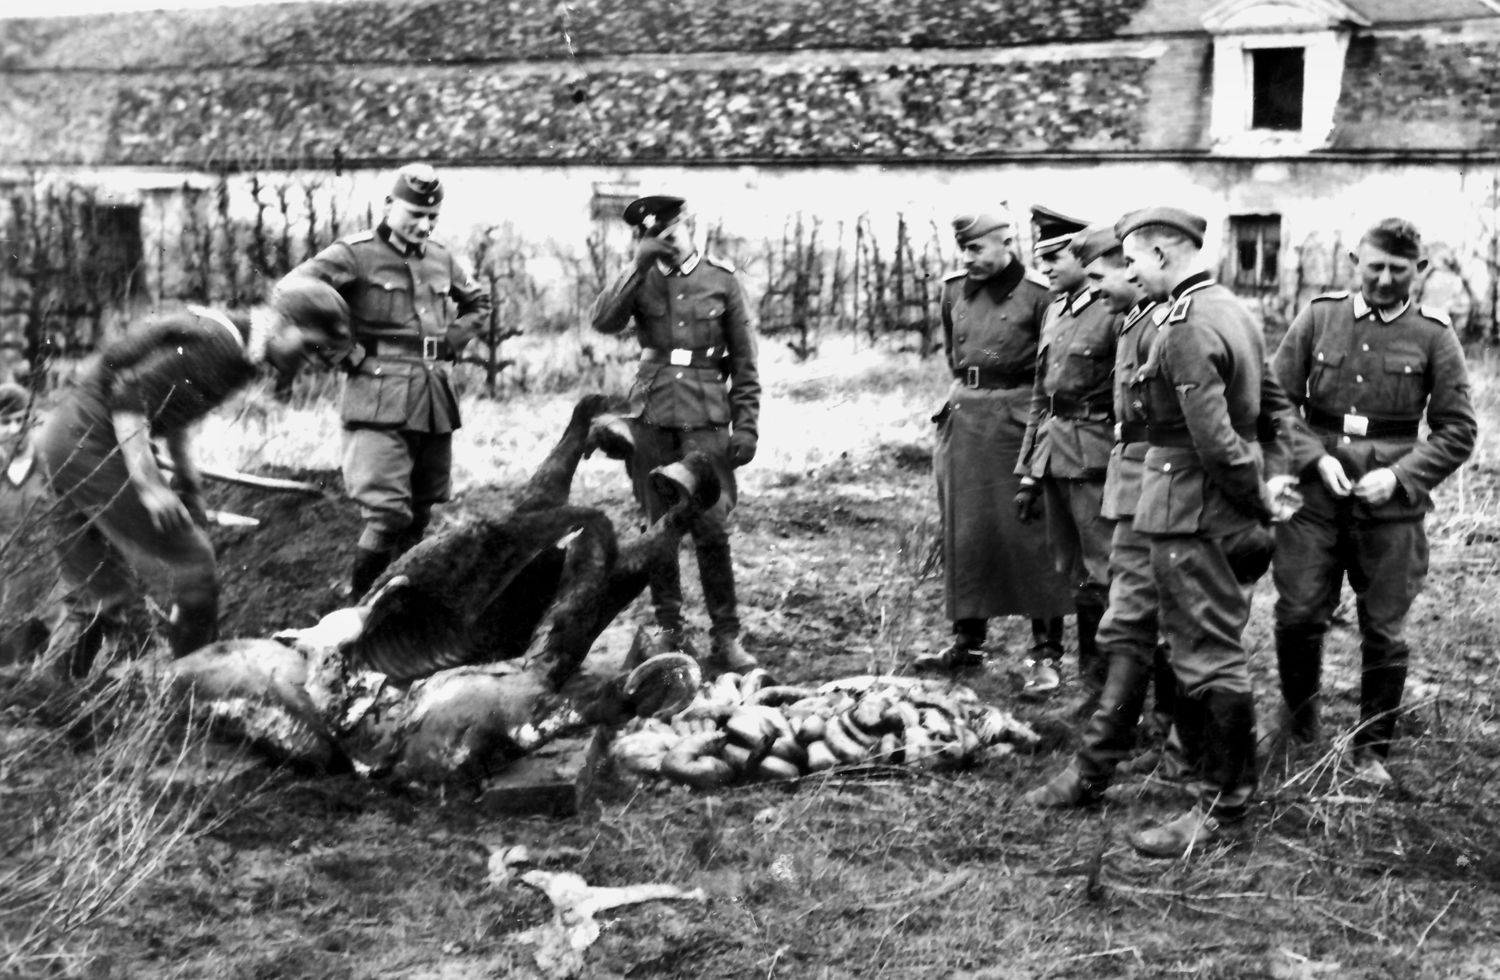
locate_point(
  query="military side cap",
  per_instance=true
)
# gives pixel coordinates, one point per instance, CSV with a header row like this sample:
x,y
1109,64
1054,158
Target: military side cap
x,y
967,227
313,304
1192,225
1396,236
417,183
1093,242
654,211
1053,229
13,400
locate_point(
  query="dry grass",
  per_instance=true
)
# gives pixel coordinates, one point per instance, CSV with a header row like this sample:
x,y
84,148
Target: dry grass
x,y
893,874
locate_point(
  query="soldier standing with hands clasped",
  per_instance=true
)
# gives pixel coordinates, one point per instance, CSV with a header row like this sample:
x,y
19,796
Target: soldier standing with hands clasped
x,y
413,309
993,564
1365,368
696,389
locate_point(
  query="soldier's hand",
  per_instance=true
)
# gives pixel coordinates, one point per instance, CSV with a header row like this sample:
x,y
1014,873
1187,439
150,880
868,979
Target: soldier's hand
x,y
652,250
1028,503
1331,471
1376,487
741,448
1283,499
166,510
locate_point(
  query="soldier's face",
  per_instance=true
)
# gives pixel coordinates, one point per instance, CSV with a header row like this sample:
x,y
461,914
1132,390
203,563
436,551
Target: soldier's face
x,y
679,235
1063,270
1385,279
1146,266
1112,280
987,256
410,224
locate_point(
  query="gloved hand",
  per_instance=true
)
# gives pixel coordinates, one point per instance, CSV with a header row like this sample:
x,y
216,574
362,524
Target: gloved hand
x,y
651,250
1028,503
741,447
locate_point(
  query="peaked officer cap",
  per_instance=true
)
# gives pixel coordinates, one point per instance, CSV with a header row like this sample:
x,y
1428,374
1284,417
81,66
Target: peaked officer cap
x,y
1093,242
417,183
654,211
1053,229
1192,225
967,227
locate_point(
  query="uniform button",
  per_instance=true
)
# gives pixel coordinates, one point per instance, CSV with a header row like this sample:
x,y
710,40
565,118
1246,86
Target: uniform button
x,y
961,338
1137,405
1364,346
678,375
1005,316
1166,467
1320,355
421,309
682,296
1359,379
1346,440
1408,369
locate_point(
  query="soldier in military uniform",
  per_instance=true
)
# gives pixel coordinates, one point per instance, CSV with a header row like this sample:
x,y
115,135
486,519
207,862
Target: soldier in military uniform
x,y
1128,634
414,308
1205,509
993,565
1365,368
1067,444
697,388
117,517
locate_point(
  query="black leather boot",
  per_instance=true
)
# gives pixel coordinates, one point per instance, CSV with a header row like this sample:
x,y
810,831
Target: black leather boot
x,y
367,568
1299,660
193,626
1163,690
1093,666
1229,755
966,652
716,572
1382,682
1110,734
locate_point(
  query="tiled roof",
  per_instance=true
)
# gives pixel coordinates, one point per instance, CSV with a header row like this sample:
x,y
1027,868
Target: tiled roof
x,y
500,30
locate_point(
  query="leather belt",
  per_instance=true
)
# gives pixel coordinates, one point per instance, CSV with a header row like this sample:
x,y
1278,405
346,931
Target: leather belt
x,y
694,357
1126,432
984,377
1068,407
1361,426
1183,439
428,348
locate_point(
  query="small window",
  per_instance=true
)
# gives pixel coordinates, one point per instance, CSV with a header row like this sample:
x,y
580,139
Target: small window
x,y
1257,250
609,200
116,231
1276,84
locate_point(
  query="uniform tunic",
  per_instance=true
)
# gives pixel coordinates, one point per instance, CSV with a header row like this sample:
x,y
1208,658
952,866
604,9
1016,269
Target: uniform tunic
x,y
1364,382
411,310
27,572
993,565
696,384
1069,435
1201,487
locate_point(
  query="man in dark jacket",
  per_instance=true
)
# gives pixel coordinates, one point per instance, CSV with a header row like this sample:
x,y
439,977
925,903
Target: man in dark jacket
x,y
117,516
413,308
697,388
993,563
1365,368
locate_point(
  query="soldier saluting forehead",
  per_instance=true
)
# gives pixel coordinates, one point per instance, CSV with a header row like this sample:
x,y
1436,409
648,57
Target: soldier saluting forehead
x,y
413,309
696,388
1365,368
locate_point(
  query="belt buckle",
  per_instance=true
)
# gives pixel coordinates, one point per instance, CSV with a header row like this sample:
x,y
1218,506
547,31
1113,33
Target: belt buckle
x,y
971,376
1356,425
680,357
429,348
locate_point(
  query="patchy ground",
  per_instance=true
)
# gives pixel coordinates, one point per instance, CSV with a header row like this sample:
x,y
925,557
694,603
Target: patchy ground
x,y
890,875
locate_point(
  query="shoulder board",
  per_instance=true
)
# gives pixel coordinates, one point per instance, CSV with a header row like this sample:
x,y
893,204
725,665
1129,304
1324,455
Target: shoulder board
x,y
359,236
719,263
1037,277
960,274
1335,294
1179,310
1436,313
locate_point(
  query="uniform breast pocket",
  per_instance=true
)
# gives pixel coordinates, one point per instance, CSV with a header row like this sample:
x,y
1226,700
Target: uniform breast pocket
x,y
1089,363
1405,382
1323,378
708,316
438,288
382,301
